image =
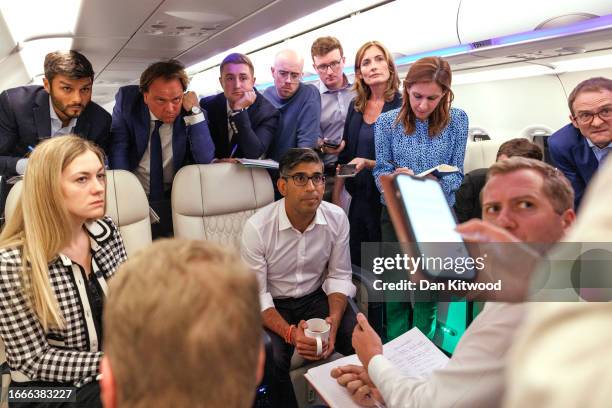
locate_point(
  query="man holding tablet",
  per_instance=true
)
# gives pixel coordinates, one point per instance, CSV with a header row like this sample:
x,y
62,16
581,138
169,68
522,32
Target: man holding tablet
x,y
523,200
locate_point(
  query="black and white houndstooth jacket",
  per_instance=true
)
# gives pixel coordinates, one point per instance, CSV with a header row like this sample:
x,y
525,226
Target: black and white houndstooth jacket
x,y
70,355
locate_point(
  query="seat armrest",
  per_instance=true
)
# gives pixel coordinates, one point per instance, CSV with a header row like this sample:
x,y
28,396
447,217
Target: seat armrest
x,y
364,280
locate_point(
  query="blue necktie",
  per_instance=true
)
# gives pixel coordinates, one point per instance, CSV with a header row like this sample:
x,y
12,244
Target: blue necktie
x,y
156,172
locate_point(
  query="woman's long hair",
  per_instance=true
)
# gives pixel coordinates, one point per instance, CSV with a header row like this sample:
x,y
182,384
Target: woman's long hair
x,y
41,226
362,89
429,69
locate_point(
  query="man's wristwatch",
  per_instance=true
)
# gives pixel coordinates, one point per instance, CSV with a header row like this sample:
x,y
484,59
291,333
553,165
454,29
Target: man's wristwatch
x,y
195,110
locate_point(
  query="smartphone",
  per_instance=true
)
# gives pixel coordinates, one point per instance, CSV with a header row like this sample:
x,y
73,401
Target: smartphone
x,y
331,145
432,225
347,170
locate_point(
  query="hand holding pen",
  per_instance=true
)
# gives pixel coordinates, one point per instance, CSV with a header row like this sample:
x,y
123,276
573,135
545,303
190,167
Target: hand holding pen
x,y
355,378
397,169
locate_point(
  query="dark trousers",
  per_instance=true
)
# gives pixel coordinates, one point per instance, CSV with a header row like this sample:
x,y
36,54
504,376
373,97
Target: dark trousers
x,y
314,305
401,316
163,208
364,219
87,396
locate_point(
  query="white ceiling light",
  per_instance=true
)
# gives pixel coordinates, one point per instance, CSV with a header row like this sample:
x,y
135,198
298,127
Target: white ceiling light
x,y
39,27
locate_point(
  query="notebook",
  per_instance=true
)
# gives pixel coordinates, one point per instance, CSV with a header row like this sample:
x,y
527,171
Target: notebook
x,y
266,164
440,170
412,353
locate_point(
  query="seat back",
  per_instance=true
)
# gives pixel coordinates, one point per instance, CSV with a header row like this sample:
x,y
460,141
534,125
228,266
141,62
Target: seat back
x,y
126,204
213,201
480,154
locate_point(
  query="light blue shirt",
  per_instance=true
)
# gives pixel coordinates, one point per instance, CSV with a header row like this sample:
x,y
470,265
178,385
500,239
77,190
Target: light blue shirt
x,y
600,152
334,105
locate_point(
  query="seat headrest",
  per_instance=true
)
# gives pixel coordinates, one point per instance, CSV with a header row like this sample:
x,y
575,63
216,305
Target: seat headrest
x,y
220,188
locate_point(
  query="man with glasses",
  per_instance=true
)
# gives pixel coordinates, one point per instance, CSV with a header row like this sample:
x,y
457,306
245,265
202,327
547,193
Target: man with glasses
x,y
299,105
336,95
298,248
578,148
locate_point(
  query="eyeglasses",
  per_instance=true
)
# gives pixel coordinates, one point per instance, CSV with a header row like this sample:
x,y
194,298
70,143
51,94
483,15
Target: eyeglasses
x,y
301,179
334,65
584,118
295,76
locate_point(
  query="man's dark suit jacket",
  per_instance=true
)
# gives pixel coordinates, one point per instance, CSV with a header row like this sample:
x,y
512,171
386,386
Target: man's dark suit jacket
x,y
254,128
352,125
571,154
467,198
130,134
25,120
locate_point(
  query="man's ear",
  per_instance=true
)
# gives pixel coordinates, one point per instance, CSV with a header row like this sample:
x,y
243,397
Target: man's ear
x,y
261,363
571,118
568,218
108,390
281,183
47,85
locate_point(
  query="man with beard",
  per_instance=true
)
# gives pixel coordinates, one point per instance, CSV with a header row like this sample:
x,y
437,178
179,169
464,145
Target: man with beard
x,y
62,106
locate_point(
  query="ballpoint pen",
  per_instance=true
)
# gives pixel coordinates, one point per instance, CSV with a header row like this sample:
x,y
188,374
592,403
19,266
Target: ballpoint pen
x,y
394,164
233,151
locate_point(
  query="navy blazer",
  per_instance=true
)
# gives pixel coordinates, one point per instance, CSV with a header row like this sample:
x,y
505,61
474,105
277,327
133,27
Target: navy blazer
x,y
130,134
352,125
254,128
570,153
25,120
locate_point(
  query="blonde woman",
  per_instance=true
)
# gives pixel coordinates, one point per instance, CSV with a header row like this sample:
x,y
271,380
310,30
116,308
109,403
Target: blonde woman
x,y
57,252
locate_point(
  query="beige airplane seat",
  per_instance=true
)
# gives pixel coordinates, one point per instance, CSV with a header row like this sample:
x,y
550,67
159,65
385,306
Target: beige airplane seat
x,y
478,134
126,204
213,201
539,135
480,154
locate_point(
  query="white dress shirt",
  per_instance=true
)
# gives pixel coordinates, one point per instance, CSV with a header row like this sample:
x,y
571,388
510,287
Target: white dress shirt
x,y
473,377
165,134
561,356
292,264
57,128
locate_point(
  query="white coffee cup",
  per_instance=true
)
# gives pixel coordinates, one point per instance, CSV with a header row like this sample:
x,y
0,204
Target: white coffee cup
x,y
318,329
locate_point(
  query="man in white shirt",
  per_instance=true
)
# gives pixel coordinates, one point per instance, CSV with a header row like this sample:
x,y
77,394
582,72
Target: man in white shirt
x,y
523,200
298,248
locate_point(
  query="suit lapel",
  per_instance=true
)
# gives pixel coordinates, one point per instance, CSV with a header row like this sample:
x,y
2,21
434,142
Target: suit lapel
x,y
142,125
83,126
586,162
42,117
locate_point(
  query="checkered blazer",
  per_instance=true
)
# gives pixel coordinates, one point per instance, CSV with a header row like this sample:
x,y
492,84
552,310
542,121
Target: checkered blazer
x,y
70,355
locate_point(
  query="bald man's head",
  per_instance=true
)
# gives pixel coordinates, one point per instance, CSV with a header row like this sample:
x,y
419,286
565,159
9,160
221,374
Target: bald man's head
x,y
287,73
